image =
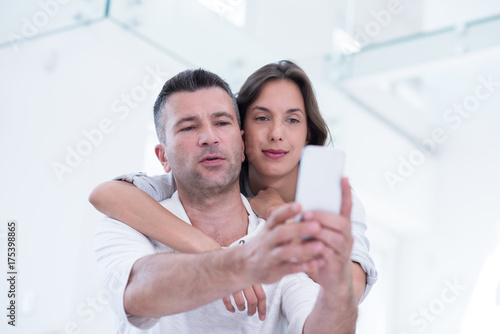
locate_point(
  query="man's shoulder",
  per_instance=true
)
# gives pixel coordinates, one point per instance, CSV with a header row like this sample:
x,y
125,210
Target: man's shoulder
x,y
175,207
110,225
172,203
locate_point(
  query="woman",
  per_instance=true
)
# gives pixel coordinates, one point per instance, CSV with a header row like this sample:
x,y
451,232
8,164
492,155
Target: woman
x,y
280,115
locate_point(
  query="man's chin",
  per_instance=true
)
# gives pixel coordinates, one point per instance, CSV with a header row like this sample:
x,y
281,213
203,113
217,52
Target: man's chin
x,y
215,181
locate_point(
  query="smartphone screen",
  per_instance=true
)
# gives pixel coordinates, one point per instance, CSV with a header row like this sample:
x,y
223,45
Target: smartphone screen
x,y
320,175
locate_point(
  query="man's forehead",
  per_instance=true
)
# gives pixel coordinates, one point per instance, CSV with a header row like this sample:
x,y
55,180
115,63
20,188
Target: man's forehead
x,y
202,102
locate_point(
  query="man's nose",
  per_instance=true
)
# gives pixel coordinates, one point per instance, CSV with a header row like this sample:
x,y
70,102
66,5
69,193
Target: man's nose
x,y
208,136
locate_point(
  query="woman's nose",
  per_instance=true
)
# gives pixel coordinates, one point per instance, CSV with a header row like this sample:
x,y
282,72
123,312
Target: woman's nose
x,y
276,132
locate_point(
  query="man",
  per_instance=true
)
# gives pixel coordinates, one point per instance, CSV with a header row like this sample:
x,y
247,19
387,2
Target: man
x,y
155,290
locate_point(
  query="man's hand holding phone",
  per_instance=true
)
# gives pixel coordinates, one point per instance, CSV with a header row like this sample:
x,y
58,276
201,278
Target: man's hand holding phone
x,y
337,239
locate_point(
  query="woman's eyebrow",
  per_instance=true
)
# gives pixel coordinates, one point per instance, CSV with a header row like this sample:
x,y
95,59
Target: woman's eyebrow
x,y
261,108
289,111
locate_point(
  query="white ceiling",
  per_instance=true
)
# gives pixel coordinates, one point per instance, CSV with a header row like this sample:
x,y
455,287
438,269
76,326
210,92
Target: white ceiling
x,y
204,33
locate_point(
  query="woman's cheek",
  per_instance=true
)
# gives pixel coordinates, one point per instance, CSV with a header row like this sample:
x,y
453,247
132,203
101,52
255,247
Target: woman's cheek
x,y
249,149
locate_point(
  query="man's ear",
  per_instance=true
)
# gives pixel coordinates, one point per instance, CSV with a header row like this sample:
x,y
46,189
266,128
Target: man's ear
x,y
243,139
160,153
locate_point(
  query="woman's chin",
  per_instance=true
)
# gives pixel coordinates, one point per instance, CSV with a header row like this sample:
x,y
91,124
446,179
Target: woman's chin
x,y
276,171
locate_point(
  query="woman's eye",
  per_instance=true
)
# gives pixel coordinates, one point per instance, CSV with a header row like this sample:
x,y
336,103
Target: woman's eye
x,y
293,120
261,118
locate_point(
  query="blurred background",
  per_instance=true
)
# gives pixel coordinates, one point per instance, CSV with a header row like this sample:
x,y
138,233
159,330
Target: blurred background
x,y
410,90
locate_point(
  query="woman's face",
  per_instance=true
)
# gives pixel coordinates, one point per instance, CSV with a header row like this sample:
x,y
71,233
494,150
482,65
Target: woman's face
x,y
276,129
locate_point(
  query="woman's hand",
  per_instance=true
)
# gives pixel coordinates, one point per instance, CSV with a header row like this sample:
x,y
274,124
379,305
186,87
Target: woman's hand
x,y
266,202
256,301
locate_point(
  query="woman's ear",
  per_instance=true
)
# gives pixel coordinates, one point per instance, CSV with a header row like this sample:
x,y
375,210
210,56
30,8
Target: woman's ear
x,y
160,154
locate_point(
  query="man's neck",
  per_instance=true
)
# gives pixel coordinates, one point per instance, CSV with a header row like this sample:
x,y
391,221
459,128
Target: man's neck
x,y
223,216
284,185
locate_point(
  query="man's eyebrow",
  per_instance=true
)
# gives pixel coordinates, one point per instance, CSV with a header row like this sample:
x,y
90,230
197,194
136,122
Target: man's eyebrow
x,y
183,120
194,118
223,114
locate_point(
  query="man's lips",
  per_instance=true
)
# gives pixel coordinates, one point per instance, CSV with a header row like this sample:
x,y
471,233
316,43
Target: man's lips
x,y
274,154
211,160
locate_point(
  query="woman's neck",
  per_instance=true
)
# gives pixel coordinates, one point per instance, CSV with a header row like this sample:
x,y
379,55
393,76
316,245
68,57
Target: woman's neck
x,y
284,185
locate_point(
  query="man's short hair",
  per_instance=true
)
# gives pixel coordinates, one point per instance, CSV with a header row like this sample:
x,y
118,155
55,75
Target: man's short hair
x,y
188,81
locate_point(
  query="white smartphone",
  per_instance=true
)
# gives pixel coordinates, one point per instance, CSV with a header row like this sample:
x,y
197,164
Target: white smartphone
x,y
320,175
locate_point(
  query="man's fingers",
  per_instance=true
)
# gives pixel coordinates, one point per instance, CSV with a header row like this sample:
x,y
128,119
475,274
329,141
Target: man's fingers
x,y
295,251
336,232
228,304
310,265
287,233
340,243
345,208
281,214
329,221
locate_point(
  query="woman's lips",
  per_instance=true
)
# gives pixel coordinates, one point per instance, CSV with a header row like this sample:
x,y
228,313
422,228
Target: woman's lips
x,y
274,154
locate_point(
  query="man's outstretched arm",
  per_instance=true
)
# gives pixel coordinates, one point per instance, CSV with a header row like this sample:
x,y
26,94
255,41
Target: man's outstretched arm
x,y
336,308
169,283
164,284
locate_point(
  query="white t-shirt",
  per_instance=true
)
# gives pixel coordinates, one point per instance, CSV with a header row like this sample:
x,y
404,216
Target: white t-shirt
x,y
118,246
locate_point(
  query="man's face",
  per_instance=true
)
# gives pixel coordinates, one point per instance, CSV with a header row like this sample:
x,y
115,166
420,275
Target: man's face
x,y
204,147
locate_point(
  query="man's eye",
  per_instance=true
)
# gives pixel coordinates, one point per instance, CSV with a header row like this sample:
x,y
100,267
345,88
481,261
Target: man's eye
x,y
222,123
261,118
187,128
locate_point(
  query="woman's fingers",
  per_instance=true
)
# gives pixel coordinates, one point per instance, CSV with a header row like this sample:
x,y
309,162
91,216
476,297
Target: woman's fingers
x,y
239,301
251,301
261,304
228,304
255,301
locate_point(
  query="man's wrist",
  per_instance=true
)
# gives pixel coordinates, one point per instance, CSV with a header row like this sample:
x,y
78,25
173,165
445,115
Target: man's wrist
x,y
342,286
342,292
234,265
